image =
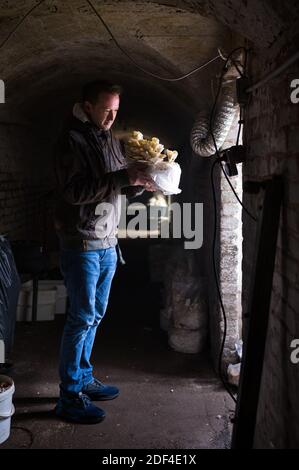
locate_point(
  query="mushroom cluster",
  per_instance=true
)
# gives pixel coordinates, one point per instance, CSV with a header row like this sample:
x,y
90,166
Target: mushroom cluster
x,y
149,150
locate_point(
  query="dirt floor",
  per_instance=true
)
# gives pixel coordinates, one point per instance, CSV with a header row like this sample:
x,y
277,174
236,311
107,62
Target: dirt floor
x,y
168,400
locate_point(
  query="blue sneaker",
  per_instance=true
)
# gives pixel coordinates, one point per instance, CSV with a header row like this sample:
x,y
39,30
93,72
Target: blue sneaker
x,y
78,409
97,391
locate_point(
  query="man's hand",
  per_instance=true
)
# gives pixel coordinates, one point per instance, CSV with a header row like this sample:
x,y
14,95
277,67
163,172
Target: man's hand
x,y
138,177
150,186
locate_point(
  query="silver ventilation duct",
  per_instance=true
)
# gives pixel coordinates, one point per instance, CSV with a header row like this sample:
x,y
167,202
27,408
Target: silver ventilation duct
x,y
201,138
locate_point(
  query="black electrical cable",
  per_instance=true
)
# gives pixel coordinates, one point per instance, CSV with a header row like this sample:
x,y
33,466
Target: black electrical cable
x,y
218,287
224,69
275,73
241,117
136,63
236,195
235,63
119,46
218,160
246,58
237,67
241,121
240,125
211,127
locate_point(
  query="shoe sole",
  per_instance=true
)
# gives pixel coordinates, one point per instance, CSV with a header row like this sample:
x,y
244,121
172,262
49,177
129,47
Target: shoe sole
x,y
69,418
103,398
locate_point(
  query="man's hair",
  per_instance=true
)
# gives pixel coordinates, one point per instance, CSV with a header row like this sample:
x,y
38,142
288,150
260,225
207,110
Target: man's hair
x,y
91,90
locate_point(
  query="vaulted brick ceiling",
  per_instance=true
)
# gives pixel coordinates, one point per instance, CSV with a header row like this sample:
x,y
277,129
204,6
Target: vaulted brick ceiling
x,y
62,44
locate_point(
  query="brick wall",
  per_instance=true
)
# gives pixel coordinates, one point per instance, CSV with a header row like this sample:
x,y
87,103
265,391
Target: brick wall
x,y
230,272
271,135
196,181
23,186
228,255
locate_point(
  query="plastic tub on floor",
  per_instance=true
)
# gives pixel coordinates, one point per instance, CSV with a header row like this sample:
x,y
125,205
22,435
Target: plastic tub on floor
x,y
6,406
61,297
46,302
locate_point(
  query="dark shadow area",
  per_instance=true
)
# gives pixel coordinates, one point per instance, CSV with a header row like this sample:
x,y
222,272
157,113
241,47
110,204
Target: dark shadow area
x,y
32,401
167,399
35,415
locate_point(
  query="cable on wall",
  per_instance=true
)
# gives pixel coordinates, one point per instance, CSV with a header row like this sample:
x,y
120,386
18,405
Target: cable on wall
x,y
218,161
274,73
182,77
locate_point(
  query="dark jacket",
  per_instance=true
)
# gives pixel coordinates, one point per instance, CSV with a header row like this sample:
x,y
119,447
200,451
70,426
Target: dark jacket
x,y
90,169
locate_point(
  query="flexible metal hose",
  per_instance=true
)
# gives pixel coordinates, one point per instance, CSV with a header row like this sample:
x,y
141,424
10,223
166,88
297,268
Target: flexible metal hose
x,y
201,138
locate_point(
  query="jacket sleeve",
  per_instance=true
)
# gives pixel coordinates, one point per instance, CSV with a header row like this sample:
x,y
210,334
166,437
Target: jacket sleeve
x,y
133,191
76,180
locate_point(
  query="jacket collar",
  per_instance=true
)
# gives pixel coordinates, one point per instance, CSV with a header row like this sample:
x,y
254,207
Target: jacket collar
x,y
79,113
85,123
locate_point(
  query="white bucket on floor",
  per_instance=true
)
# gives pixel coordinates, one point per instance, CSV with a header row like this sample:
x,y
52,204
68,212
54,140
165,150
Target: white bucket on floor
x,y
6,408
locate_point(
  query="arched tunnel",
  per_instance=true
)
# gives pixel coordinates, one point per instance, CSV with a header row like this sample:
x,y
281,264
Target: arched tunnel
x,y
169,308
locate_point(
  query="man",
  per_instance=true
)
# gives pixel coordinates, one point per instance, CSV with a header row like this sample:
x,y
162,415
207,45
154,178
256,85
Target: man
x,y
91,173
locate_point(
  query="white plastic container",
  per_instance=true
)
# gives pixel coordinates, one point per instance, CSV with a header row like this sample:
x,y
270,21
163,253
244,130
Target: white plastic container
x,y
61,297
46,302
6,408
46,294
44,312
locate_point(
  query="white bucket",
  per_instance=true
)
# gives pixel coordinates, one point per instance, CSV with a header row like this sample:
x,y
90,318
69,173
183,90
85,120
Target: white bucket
x,y
6,408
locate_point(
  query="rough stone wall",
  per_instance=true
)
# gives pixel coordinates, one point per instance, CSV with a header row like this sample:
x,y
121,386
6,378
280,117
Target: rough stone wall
x,y
61,45
228,256
271,135
230,259
66,39
22,187
266,23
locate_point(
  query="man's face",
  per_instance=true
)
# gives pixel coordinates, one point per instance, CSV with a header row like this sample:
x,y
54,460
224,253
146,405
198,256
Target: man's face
x,y
103,112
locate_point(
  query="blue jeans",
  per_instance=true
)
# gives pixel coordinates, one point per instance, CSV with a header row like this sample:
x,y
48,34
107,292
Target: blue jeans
x,y
88,276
